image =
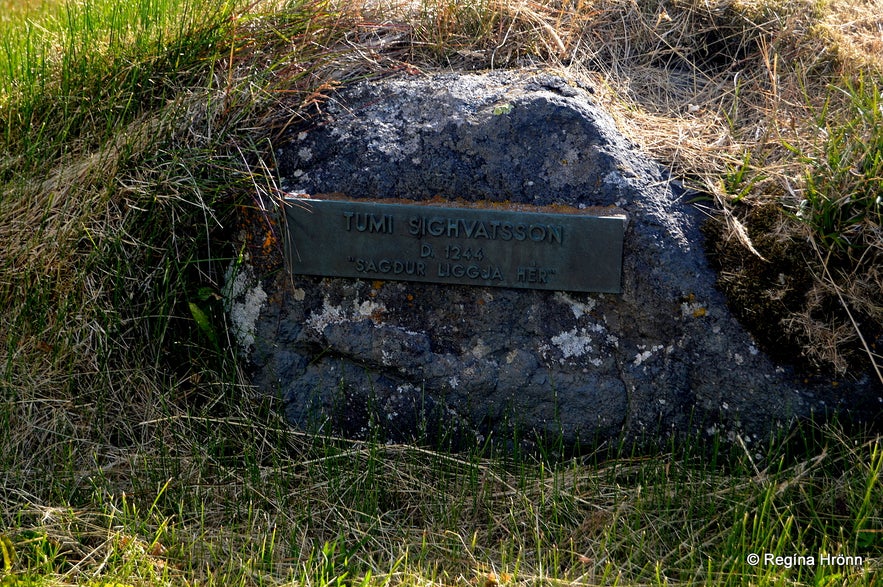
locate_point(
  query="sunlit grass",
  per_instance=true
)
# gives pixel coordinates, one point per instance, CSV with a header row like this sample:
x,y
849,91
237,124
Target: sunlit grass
x,y
131,452
79,71
260,505
15,10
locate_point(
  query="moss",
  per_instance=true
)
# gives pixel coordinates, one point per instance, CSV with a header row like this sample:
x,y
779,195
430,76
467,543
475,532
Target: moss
x,y
764,294
783,300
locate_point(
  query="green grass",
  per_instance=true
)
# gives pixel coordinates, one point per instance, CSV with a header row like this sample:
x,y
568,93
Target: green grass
x,y
84,70
262,505
131,452
843,199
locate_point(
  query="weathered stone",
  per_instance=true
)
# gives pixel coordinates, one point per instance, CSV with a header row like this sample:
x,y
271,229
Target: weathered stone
x,y
405,360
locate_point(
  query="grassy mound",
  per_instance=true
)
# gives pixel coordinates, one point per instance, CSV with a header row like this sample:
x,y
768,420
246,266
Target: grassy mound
x,y
130,451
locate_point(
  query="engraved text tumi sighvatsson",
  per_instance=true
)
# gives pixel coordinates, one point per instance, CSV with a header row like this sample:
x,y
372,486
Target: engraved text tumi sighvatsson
x,y
563,249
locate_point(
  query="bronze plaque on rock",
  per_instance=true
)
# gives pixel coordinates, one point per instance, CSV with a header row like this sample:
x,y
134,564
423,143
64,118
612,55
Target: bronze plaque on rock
x,y
562,249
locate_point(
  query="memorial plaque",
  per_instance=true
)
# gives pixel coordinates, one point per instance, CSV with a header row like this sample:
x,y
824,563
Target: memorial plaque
x,y
541,248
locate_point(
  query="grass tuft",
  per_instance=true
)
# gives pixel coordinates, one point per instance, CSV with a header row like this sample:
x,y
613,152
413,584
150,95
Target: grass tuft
x,y
843,198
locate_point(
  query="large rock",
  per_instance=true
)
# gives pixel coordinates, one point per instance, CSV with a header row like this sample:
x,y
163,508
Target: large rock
x,y
410,360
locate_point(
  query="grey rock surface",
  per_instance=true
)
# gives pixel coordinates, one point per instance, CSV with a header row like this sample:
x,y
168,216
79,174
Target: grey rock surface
x,y
410,360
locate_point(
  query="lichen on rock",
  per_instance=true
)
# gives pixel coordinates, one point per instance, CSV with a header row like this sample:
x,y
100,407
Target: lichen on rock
x,y
244,297
415,360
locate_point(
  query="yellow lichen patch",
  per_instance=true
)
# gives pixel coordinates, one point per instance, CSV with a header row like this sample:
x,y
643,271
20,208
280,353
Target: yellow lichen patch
x,y
259,235
270,243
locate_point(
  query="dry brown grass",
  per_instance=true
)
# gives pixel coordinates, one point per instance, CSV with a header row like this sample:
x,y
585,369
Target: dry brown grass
x,y
707,85
854,31
109,389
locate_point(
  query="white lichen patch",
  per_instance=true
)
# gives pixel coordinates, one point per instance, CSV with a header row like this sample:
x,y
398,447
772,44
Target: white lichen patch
x,y
543,350
330,314
692,310
480,350
368,308
643,356
615,179
578,308
573,343
336,314
243,299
